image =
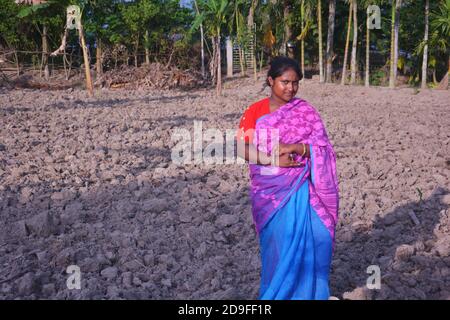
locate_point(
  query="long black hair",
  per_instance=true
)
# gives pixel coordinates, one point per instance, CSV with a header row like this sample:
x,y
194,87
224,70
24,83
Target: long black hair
x,y
281,64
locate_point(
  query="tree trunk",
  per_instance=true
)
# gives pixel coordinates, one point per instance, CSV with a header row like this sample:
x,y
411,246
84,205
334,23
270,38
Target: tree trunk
x,y
367,76
136,50
347,41
44,64
147,50
251,14
240,49
66,75
202,39
287,29
213,62
319,21
425,49
354,42
396,28
394,43
219,66
87,67
302,43
330,36
98,58
229,46
443,85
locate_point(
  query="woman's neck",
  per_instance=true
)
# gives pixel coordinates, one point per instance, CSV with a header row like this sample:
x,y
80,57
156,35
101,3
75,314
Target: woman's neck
x,y
275,103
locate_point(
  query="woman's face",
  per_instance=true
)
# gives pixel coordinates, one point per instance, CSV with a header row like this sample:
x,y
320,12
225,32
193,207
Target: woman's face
x,y
285,87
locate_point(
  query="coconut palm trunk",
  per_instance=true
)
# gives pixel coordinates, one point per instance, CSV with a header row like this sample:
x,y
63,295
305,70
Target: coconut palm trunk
x,y
287,28
347,42
319,22
202,39
136,50
394,42
147,50
425,48
219,65
396,29
354,43
367,75
44,64
330,36
302,43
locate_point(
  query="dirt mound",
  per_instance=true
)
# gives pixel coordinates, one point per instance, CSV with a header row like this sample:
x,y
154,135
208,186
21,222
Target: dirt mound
x,y
154,75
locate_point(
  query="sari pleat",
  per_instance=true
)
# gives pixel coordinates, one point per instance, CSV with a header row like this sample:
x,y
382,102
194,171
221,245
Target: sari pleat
x,y
295,252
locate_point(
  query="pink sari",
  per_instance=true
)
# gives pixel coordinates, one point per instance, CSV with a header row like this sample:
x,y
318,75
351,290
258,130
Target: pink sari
x,y
271,187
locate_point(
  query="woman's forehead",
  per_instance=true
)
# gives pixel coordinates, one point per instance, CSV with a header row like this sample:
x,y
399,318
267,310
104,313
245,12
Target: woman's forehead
x,y
289,75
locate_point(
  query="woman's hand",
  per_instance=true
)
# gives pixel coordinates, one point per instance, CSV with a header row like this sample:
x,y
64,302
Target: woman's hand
x,y
287,160
284,148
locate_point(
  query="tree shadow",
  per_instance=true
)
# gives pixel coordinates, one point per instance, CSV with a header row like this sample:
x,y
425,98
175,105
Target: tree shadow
x,y
163,232
405,244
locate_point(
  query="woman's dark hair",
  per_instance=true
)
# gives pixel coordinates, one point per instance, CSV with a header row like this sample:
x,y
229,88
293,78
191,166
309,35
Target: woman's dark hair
x,y
281,64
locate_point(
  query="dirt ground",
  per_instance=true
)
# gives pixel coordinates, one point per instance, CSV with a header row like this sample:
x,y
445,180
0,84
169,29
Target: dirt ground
x,y
90,182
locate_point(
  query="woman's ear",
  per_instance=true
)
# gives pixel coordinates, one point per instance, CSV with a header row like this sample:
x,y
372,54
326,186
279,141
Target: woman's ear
x,y
270,81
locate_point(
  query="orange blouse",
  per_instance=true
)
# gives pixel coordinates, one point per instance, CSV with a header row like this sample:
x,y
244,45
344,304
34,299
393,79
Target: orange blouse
x,y
251,115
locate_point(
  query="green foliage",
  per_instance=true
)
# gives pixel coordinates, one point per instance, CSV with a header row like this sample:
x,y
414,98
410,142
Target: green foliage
x,y
172,28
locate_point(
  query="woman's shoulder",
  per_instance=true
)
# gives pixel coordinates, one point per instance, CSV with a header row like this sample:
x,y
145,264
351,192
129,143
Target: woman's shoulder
x,y
306,105
258,106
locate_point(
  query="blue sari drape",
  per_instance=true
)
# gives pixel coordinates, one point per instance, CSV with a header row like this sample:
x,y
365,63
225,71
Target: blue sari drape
x,y
296,251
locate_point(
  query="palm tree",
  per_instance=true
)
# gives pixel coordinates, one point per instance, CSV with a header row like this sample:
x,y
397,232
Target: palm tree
x,y
329,53
38,8
354,42
344,68
305,23
287,27
440,24
396,4
319,23
215,14
367,73
425,49
202,39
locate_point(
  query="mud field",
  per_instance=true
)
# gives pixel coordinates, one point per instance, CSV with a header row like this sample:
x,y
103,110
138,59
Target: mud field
x,y
90,182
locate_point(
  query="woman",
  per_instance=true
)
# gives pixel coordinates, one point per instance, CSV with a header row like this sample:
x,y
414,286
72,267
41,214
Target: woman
x,y
294,188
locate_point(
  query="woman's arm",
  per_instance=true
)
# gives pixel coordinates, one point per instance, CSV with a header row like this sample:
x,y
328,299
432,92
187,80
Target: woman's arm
x,y
297,148
249,152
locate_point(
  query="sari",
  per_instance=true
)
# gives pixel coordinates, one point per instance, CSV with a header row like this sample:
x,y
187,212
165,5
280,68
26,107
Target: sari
x,y
295,209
